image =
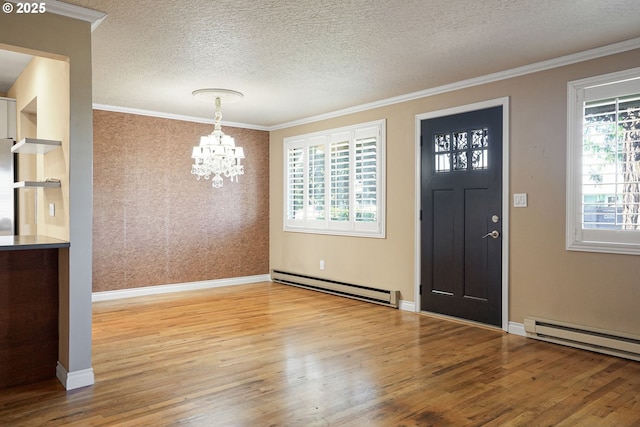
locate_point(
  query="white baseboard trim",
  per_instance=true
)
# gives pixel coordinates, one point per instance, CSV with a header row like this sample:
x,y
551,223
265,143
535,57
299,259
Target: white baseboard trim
x,y
73,380
178,287
407,306
517,329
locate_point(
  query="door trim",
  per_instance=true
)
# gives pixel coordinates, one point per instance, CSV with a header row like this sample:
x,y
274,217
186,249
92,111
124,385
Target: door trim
x,y
504,102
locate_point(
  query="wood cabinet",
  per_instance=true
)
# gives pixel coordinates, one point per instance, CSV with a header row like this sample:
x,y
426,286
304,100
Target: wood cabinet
x,y
29,288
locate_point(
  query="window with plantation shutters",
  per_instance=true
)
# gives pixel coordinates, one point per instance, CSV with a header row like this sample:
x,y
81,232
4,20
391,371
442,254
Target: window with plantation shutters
x,y
603,191
340,178
295,182
315,206
335,181
366,178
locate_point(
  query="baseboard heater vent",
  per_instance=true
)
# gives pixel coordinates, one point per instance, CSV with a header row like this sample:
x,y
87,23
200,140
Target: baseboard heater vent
x,y
359,292
588,338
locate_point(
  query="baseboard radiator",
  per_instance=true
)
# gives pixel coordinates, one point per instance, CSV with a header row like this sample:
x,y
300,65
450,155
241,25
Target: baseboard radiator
x,y
587,338
359,292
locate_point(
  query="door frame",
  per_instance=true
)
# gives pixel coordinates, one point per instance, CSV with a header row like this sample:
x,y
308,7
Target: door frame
x,y
504,102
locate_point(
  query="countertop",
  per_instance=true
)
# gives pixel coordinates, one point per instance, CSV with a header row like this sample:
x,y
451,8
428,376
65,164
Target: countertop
x,y
16,243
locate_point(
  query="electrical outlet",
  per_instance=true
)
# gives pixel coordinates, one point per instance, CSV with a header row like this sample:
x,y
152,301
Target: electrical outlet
x,y
520,200
321,264
52,209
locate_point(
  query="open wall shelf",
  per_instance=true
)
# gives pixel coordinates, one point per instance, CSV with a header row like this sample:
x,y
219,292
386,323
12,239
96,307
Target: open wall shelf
x,y
35,146
37,184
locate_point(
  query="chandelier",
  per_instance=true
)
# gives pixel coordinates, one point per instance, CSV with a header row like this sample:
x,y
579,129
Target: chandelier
x,y
217,153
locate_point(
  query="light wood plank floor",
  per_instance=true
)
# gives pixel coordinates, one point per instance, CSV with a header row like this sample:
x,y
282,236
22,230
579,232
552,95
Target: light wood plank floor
x,y
272,355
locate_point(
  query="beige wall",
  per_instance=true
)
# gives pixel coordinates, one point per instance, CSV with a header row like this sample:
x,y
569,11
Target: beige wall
x,y
155,224
58,37
42,105
545,280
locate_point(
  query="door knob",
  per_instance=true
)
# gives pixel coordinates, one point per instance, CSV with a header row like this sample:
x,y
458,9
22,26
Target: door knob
x,y
493,234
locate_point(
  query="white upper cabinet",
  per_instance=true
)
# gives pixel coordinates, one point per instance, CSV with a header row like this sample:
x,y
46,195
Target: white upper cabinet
x,y
7,118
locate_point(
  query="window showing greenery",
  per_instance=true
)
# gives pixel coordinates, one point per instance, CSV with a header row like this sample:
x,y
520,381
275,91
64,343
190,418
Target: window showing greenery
x,y
335,181
604,164
611,156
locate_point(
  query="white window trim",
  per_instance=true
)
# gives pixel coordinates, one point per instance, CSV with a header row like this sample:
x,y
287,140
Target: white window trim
x,y
348,228
578,239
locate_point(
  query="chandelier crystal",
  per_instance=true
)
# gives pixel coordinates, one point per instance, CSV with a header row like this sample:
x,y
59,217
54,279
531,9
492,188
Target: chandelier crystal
x,y
217,154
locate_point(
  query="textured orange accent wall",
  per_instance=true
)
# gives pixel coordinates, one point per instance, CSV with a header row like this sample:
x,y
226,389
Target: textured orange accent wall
x,y
154,223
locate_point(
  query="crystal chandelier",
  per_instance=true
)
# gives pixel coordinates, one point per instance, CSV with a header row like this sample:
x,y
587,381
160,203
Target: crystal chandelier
x,y
217,153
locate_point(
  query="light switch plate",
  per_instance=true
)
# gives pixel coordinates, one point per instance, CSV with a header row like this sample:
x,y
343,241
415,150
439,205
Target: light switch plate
x,y
520,200
52,209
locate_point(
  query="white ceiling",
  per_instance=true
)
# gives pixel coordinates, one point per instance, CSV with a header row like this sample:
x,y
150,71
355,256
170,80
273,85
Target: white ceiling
x,y
11,65
295,59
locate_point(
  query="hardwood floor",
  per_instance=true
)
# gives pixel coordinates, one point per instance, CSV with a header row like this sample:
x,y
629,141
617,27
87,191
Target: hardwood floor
x,y
273,355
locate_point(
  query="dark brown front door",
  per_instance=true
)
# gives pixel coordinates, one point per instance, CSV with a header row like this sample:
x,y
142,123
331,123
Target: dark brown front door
x,y
461,228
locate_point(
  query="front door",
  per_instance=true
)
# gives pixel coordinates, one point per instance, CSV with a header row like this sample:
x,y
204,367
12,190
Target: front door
x,y
461,228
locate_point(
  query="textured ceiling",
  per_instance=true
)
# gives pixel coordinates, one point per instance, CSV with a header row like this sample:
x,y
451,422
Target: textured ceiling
x,y
295,59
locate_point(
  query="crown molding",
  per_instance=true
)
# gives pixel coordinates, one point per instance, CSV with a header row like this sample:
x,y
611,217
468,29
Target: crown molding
x,y
71,11
476,81
463,84
162,115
